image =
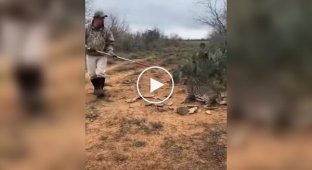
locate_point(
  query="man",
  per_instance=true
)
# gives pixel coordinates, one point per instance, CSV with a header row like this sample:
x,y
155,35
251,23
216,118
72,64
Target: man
x,y
100,38
24,37
201,57
203,53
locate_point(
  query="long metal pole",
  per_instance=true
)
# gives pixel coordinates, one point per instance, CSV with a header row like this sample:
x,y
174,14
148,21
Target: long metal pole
x,y
122,58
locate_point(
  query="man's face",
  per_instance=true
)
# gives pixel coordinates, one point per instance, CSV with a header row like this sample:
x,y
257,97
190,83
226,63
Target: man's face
x,y
98,22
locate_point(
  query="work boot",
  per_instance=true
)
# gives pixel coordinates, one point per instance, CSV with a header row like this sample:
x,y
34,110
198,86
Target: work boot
x,y
100,91
98,84
30,84
95,86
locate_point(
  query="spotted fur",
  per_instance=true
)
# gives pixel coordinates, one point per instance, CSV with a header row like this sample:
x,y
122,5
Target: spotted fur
x,y
201,92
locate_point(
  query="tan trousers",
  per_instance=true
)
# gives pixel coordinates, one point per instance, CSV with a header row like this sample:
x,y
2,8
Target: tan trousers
x,y
96,66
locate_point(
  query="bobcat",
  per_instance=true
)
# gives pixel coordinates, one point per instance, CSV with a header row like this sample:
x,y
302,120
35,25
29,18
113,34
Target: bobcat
x,y
202,92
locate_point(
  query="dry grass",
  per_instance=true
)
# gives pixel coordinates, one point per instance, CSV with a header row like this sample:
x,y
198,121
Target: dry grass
x,y
91,113
142,137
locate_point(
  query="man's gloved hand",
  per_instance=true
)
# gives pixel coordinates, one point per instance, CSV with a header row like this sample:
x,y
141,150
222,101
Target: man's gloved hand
x,y
91,50
110,52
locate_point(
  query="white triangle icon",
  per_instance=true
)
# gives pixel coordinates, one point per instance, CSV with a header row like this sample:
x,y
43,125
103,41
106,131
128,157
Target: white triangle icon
x,y
154,85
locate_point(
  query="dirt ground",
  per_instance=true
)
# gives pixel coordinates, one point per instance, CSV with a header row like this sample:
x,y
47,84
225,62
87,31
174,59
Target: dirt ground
x,y
124,132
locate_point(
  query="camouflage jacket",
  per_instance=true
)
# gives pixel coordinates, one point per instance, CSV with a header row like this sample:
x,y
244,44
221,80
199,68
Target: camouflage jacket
x,y
101,39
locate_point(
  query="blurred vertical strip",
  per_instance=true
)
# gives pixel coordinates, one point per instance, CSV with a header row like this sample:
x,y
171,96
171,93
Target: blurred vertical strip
x,y
270,80
41,84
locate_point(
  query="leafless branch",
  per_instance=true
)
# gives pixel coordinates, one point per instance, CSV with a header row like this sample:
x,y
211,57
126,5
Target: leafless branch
x,y
215,15
88,9
117,26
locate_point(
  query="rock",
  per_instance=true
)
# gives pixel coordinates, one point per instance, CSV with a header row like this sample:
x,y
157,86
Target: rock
x,y
172,108
210,108
122,97
159,105
159,98
133,100
162,109
192,105
148,104
208,112
193,110
182,110
170,103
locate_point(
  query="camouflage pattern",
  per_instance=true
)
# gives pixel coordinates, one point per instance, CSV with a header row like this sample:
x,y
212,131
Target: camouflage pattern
x,y
99,39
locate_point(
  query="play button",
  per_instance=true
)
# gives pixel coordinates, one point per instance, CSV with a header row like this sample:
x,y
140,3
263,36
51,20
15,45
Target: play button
x,y
155,85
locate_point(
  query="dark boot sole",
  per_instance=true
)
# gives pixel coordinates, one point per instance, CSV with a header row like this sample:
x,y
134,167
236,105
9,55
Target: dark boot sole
x,y
100,93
